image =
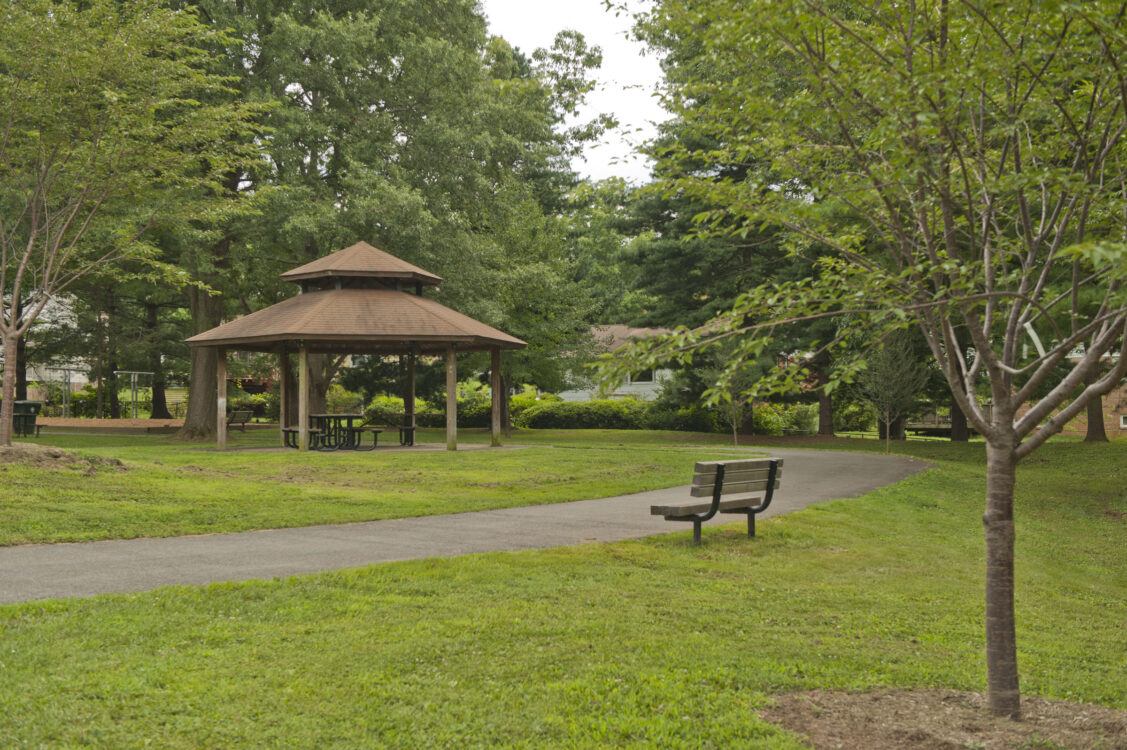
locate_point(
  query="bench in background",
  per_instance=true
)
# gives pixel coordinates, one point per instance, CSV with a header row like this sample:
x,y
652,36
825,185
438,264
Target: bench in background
x,y
718,478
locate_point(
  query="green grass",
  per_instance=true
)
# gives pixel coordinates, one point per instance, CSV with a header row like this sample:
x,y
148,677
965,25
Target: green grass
x,y
644,644
173,488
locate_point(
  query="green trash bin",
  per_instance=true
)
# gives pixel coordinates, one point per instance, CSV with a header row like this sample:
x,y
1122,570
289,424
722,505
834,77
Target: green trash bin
x,y
25,414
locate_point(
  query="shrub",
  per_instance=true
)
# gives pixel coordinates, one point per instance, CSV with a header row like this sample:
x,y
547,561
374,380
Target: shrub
x,y
606,414
339,400
521,402
685,419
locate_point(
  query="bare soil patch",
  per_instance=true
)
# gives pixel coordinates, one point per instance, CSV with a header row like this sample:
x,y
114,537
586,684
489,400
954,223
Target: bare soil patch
x,y
50,457
943,720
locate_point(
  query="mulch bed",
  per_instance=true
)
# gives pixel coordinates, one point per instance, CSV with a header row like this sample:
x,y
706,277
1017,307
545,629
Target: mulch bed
x,y
943,720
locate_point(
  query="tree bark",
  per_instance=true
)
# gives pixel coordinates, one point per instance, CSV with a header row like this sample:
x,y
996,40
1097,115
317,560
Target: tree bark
x,y
21,357
199,423
825,401
998,521
160,400
960,432
8,391
1096,432
111,355
506,415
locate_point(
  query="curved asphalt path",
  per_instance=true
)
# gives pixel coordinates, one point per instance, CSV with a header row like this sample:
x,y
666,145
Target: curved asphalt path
x,y
49,571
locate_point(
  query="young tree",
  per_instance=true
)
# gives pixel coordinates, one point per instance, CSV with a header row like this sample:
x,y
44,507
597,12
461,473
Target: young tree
x,y
891,381
101,135
957,158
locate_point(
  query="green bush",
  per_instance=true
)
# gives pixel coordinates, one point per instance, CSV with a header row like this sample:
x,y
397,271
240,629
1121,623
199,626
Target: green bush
x,y
606,414
521,402
685,419
339,400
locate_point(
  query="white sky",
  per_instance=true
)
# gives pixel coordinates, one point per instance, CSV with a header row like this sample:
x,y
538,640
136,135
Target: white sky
x,y
626,80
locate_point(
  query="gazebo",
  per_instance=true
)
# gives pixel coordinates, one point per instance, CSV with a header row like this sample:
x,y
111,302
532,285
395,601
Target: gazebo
x,y
359,300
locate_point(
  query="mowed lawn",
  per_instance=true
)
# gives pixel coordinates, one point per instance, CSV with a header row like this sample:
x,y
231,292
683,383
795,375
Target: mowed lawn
x,y
650,643
171,488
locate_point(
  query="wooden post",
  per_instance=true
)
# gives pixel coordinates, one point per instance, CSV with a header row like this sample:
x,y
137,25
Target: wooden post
x,y
303,397
409,393
283,393
495,381
221,398
451,399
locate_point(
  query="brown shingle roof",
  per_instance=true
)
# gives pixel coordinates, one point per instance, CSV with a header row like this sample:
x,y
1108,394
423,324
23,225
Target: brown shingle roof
x,y
361,259
357,320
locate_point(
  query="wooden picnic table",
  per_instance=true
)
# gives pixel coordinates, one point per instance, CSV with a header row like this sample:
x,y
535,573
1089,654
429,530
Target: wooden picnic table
x,y
337,431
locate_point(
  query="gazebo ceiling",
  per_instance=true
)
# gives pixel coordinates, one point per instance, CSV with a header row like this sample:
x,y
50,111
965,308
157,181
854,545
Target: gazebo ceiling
x,y
357,321
361,260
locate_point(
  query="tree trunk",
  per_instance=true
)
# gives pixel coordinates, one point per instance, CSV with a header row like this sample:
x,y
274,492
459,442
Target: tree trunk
x,y
506,420
160,401
111,355
959,430
825,401
1001,636
1096,432
319,381
21,357
199,423
8,391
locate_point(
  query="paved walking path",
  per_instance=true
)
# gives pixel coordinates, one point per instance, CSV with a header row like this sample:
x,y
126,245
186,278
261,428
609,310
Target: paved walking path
x,y
47,571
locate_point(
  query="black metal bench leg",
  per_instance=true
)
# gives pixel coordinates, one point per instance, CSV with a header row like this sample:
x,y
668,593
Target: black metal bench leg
x,y
696,533
751,525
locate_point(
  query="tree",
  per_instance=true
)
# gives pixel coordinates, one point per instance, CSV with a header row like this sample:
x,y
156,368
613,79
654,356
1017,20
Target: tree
x,y
958,159
891,381
102,136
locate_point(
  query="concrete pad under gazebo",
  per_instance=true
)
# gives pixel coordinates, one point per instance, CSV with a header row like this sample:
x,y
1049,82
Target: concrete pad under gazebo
x,y
356,301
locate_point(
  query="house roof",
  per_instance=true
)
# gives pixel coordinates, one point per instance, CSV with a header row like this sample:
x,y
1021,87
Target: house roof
x,y
616,335
361,259
357,321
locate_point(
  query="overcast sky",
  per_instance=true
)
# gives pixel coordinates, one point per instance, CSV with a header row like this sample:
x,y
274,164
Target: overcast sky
x,y
626,81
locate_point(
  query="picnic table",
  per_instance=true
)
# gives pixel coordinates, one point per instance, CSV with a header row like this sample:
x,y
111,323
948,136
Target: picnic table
x,y
336,432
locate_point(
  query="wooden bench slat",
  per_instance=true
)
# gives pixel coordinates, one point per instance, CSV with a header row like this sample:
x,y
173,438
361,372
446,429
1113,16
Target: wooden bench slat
x,y
703,467
734,476
674,511
705,490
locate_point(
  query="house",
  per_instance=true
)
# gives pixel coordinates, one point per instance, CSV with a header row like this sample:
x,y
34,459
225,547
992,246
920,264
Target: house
x,y
643,386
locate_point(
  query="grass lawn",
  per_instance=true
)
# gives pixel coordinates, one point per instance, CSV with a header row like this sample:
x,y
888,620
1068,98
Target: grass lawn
x,y
173,488
647,644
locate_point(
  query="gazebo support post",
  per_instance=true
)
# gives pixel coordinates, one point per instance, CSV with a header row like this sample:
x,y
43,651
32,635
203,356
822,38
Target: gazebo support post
x,y
283,394
409,395
495,385
451,399
221,398
303,397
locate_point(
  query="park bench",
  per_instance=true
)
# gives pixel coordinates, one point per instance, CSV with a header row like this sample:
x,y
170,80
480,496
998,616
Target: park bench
x,y
239,418
717,478
290,436
358,436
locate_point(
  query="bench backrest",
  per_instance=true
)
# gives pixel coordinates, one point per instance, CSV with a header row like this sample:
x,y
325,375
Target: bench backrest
x,y
740,477
240,415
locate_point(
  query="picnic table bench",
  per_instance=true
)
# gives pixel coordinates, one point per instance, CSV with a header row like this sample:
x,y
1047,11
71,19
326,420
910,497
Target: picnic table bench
x,y
717,478
240,418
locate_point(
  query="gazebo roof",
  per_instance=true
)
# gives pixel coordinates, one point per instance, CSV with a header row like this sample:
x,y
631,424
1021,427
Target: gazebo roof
x,y
357,321
361,260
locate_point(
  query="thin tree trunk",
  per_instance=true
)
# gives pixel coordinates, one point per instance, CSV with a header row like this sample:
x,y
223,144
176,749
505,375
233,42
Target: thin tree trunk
x,y
21,357
111,355
506,419
8,391
960,432
1096,432
825,401
1001,636
160,400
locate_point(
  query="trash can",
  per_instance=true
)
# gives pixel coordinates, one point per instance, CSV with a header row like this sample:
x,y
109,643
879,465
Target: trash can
x,y
25,414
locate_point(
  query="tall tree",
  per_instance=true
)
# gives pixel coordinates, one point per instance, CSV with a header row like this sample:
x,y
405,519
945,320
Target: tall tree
x,y
102,136
958,157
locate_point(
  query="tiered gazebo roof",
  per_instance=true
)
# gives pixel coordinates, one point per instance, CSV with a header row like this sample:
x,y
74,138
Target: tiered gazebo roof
x,y
353,301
